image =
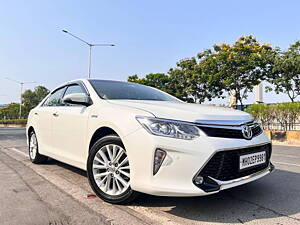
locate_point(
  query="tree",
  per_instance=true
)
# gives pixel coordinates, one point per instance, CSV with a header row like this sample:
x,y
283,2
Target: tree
x,y
10,112
30,98
182,80
157,80
286,114
190,83
186,82
286,72
237,68
263,113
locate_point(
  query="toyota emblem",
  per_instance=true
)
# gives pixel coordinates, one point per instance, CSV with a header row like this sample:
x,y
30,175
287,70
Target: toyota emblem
x,y
247,132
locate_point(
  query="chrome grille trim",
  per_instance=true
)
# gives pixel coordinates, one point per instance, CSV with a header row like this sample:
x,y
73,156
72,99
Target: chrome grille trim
x,y
227,131
224,122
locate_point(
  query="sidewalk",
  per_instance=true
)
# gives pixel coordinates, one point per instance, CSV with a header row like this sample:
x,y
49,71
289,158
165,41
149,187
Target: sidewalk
x,y
27,198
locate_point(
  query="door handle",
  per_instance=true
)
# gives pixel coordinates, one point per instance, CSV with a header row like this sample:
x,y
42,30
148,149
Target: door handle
x,y
55,114
36,113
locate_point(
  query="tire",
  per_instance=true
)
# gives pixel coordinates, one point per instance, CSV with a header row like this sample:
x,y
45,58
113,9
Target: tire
x,y
110,181
33,150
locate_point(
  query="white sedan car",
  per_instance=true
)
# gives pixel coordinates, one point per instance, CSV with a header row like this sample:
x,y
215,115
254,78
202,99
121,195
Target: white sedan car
x,y
132,138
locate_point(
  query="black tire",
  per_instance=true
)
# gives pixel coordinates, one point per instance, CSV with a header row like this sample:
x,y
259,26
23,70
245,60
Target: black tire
x,y
126,197
38,158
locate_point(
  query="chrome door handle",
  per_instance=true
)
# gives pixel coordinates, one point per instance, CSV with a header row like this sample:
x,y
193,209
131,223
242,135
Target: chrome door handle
x,y
55,114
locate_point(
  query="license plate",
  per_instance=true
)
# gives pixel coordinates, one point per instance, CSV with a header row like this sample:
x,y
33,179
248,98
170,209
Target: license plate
x,y
254,159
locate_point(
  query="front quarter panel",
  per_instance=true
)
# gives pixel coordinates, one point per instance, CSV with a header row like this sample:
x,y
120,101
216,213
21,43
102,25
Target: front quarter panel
x,y
118,118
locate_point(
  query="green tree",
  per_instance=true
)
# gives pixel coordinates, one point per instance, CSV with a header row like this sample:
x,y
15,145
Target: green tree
x,y
263,113
10,112
182,80
286,114
234,69
186,82
157,80
237,68
286,72
190,84
30,98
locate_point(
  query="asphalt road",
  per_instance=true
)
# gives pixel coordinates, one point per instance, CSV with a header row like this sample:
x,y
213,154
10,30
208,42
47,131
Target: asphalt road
x,y
274,199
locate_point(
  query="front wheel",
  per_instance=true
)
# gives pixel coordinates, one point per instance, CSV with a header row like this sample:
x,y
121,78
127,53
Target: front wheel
x,y
108,171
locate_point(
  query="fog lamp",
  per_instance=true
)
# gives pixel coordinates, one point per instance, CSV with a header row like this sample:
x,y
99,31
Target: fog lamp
x,y
198,180
159,157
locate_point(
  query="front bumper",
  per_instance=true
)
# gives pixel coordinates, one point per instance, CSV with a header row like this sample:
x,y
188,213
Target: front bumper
x,y
212,185
183,161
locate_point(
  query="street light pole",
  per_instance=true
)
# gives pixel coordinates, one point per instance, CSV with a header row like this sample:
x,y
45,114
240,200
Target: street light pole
x,y
21,85
90,61
20,110
90,46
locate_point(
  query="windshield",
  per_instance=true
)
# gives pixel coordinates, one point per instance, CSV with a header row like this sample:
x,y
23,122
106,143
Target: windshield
x,y
125,90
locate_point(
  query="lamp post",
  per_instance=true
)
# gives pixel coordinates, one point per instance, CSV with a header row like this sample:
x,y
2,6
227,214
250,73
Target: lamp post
x,y
90,46
21,86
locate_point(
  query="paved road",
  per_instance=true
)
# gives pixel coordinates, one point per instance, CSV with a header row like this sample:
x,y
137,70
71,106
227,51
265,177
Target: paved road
x,y
274,199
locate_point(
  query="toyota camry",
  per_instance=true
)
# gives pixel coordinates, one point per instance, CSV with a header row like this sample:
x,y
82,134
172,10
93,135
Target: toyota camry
x,y
133,139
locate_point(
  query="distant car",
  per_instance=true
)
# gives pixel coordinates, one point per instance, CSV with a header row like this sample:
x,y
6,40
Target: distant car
x,y
132,138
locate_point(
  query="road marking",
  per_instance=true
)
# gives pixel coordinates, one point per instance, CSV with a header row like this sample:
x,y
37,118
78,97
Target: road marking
x,y
18,151
289,164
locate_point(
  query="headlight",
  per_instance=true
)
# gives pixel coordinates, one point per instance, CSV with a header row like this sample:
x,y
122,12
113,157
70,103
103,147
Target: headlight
x,y
169,128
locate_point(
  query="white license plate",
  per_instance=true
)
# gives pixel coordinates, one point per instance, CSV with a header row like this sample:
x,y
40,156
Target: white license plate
x,y
253,159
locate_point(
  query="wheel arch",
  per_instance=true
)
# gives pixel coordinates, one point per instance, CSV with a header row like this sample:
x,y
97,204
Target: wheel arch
x,y
29,130
101,132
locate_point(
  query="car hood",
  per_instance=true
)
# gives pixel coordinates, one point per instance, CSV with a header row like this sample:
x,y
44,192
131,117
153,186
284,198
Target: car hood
x,y
184,111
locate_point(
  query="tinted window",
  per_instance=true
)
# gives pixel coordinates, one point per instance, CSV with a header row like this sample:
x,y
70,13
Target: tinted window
x,y
126,90
74,89
55,98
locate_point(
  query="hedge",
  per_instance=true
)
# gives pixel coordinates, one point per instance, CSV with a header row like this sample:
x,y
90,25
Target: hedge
x,y
286,114
13,121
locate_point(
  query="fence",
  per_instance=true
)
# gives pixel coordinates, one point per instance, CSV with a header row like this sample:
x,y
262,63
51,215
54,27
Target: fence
x,y
281,126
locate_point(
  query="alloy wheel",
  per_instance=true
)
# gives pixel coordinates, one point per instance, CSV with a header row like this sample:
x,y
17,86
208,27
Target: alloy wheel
x,y
111,169
33,146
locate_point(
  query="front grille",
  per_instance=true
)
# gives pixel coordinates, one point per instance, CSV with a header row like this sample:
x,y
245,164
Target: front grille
x,y
227,132
224,165
256,131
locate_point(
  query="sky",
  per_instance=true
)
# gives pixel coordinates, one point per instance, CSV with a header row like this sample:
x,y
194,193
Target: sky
x,y
150,36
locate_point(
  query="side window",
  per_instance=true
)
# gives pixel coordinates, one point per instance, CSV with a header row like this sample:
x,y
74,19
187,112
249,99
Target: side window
x,y
74,89
55,98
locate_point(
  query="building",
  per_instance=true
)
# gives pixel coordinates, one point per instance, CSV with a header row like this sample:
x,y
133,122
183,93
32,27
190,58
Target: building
x,y
258,93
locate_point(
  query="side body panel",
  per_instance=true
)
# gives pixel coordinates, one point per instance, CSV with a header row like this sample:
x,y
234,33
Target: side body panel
x,y
40,119
69,133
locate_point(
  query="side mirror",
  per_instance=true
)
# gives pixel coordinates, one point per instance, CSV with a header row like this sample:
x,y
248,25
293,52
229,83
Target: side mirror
x,y
77,99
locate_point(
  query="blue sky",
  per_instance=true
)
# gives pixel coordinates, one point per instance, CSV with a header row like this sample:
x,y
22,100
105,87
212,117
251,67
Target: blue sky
x,y
150,36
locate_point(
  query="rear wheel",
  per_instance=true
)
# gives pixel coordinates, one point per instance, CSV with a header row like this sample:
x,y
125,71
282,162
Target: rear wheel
x,y
33,150
109,171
